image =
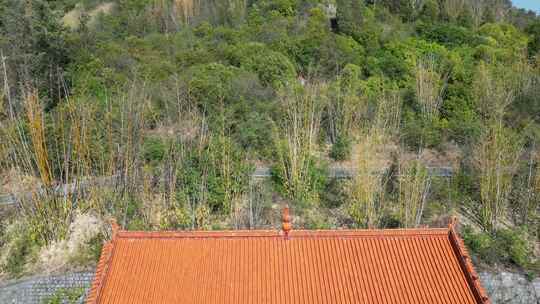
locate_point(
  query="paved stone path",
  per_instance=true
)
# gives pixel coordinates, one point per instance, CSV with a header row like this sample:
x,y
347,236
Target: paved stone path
x,y
35,290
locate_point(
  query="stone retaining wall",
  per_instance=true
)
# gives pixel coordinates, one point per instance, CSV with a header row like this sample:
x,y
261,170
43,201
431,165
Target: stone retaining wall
x,y
36,289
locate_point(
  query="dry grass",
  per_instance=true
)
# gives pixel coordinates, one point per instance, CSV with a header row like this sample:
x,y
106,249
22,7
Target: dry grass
x,y
58,255
15,181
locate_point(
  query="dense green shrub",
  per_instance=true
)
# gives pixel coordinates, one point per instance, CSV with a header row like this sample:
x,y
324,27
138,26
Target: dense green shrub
x,y
449,35
177,215
334,194
534,42
253,132
309,189
20,247
506,246
95,247
342,149
211,85
215,175
391,221
153,149
273,68
419,132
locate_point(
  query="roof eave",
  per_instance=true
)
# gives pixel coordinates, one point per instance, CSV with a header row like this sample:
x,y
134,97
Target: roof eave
x,y
466,265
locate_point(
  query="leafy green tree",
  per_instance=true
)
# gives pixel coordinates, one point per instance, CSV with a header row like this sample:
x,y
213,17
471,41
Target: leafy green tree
x,y
273,68
344,111
430,11
534,42
398,59
501,43
348,51
447,34
282,7
314,47
356,20
211,86
33,40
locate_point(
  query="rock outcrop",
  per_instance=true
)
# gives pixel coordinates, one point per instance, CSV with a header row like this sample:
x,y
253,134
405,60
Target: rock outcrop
x,y
511,288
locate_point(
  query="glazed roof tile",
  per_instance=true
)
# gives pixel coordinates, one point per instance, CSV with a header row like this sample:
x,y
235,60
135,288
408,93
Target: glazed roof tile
x,y
332,266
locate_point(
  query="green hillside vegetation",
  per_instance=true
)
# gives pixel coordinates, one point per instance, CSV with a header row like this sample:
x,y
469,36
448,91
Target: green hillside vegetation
x,y
172,105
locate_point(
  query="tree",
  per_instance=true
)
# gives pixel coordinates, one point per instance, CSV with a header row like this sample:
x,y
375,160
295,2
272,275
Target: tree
x,y
430,86
407,9
430,11
497,154
495,158
358,21
34,43
368,201
534,43
452,9
501,43
349,16
346,107
414,185
368,198
526,201
295,138
273,68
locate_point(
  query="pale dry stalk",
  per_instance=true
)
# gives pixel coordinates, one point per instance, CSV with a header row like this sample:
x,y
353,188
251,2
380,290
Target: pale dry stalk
x,y
414,186
430,87
454,8
296,136
368,187
496,159
36,128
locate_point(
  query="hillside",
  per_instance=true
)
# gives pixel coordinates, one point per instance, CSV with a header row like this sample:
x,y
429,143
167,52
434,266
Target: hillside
x,y
163,114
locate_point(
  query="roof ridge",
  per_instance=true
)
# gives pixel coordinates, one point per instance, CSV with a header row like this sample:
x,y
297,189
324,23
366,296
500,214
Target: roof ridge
x,y
276,233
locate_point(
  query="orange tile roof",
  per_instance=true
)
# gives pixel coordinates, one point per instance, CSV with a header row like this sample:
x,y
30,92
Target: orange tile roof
x,y
338,266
